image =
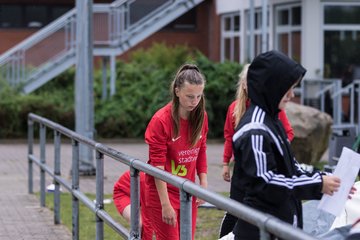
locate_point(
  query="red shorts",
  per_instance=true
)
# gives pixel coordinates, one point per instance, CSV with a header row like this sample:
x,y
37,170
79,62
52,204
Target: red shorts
x,y
146,232
164,231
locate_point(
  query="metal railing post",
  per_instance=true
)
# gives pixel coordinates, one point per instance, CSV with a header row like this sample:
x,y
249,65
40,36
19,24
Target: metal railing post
x,y
30,152
337,103
75,186
13,69
112,75
322,98
135,204
57,172
302,92
23,69
357,90
105,61
264,235
352,100
42,161
185,215
99,194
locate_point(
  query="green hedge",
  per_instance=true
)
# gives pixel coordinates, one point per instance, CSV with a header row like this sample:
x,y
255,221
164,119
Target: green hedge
x,y
142,87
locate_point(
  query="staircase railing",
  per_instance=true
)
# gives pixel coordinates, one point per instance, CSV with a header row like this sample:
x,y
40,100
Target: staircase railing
x,y
329,96
116,27
46,47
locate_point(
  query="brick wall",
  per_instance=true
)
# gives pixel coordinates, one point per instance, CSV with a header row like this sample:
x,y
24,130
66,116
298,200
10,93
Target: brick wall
x,y
11,37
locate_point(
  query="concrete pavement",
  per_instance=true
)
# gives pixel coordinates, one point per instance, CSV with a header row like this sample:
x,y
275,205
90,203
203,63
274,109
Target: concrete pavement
x,y
21,216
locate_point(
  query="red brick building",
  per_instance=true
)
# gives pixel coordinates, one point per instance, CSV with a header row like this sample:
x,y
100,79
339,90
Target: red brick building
x,y
199,28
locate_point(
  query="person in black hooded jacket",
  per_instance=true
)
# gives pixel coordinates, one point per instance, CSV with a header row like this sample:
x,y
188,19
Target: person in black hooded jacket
x,y
265,169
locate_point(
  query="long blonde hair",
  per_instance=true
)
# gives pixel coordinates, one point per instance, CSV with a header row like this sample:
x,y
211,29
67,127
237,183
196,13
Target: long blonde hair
x,y
188,73
241,95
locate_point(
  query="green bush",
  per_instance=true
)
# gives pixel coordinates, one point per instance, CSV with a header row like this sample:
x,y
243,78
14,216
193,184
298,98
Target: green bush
x,y
50,101
142,87
219,91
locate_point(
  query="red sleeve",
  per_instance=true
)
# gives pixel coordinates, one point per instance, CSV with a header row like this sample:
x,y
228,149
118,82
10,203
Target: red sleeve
x,y
228,133
121,192
156,138
287,126
201,163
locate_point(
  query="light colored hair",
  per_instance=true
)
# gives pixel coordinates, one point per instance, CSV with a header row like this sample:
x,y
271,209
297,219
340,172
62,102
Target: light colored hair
x,y
188,73
241,95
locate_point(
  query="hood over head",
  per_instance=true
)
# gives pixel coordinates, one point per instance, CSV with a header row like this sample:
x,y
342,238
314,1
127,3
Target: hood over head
x,y
270,76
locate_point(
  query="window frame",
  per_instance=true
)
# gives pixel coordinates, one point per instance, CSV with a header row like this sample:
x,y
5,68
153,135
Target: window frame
x,y
232,35
257,31
288,29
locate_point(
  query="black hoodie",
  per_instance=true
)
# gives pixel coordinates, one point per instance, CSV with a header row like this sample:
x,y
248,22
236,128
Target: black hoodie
x,y
265,170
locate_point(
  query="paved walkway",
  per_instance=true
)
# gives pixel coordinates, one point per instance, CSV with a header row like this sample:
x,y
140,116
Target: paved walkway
x,y
21,216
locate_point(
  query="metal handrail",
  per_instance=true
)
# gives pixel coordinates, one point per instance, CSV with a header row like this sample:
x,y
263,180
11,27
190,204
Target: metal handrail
x,y
39,35
267,224
324,90
337,92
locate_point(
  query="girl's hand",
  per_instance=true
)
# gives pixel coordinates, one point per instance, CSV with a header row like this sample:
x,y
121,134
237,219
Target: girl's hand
x,y
226,173
169,215
199,202
352,192
331,184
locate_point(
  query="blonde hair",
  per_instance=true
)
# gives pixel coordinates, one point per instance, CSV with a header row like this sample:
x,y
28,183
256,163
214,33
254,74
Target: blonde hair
x,y
241,95
188,73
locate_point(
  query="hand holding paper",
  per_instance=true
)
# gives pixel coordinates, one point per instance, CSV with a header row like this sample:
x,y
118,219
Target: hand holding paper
x,y
331,184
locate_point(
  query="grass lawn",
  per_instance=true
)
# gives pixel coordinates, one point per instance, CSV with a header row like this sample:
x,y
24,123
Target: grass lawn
x,y
208,221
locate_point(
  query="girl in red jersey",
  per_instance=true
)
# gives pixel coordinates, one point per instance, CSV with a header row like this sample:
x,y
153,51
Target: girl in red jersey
x,y
235,111
121,196
176,136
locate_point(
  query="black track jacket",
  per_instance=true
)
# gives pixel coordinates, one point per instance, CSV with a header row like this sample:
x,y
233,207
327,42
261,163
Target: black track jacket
x,y
265,169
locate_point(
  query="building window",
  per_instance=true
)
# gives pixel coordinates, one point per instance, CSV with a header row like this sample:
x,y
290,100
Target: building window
x,y
30,16
341,14
185,22
9,16
58,11
35,16
230,37
143,8
257,33
288,30
341,39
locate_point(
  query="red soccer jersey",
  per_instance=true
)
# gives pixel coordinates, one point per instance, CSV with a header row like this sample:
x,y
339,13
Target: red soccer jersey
x,y
122,199
174,154
287,126
229,130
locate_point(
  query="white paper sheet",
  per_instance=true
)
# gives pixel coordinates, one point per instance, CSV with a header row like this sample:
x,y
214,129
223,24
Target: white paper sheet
x,y
351,210
347,170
